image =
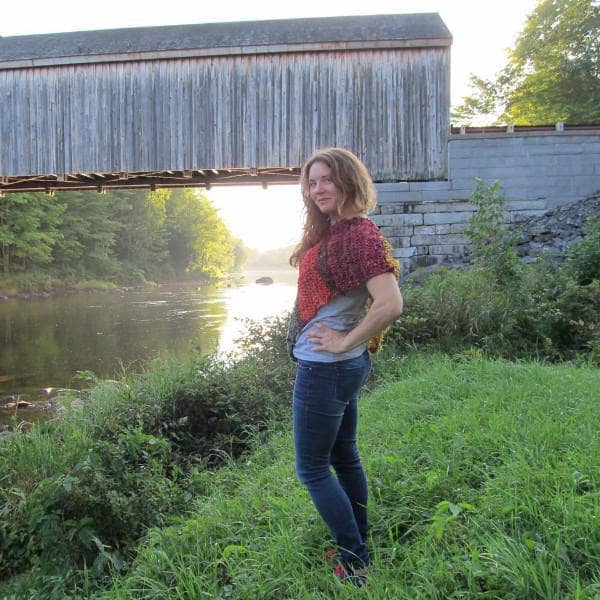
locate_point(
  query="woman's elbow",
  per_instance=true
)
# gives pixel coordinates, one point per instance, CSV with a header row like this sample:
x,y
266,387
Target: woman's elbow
x,y
395,308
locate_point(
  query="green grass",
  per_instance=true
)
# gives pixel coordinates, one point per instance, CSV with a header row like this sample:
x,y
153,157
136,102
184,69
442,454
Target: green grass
x,y
485,483
94,284
484,480
41,281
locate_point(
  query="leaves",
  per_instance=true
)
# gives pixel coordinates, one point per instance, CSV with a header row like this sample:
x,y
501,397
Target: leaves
x,y
124,235
198,238
552,74
492,246
28,230
447,512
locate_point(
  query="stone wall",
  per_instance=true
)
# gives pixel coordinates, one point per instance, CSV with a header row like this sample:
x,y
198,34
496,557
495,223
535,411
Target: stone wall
x,y
539,170
553,232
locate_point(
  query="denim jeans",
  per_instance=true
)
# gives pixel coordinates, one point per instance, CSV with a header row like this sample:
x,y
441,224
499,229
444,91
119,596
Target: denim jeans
x,y
325,413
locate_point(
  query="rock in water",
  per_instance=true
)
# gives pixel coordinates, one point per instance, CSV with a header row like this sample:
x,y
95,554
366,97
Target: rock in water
x,y
265,280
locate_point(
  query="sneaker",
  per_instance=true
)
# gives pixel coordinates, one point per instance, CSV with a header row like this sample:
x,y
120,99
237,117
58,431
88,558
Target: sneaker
x,y
356,576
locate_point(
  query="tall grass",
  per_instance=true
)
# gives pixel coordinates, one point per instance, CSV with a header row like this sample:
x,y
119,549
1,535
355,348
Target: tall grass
x,y
484,479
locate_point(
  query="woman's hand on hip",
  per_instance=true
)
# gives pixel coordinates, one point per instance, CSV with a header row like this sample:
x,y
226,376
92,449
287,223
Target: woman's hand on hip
x,y
326,339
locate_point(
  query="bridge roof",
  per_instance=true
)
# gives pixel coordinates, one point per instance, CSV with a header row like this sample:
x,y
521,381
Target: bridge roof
x,y
244,37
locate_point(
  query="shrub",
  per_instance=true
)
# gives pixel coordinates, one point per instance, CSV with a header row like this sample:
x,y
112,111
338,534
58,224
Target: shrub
x,y
453,310
492,245
228,400
583,257
89,513
501,306
549,315
34,281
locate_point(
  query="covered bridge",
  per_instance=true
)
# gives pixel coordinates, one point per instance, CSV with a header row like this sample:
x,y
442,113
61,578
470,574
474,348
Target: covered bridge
x,y
230,103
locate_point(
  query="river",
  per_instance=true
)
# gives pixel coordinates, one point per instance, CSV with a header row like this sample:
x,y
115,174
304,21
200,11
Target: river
x,y
44,342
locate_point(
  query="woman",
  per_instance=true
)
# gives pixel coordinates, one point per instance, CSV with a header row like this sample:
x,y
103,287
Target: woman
x,y
347,295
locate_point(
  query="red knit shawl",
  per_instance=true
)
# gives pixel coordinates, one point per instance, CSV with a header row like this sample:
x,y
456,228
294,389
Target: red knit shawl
x,y
353,252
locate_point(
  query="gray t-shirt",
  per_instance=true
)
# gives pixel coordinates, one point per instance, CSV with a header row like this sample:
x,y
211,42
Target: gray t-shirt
x,y
342,314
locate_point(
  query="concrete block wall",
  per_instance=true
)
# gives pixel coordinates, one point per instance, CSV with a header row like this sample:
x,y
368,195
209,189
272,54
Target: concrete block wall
x,y
424,220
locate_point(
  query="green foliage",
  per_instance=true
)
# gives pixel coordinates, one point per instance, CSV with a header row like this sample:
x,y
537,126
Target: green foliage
x,y
30,281
89,231
547,311
198,238
492,246
549,316
79,492
241,256
143,236
124,235
552,74
583,257
218,411
564,314
483,483
28,230
86,515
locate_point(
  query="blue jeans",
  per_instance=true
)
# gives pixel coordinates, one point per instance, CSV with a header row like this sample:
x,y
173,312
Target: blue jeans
x,y
325,412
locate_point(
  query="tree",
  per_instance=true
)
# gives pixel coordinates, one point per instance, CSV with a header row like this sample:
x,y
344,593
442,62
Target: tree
x,y
552,74
89,229
198,238
142,237
241,255
28,230
124,234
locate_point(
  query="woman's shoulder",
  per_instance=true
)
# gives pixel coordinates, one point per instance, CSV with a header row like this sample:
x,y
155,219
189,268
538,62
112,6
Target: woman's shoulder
x,y
362,226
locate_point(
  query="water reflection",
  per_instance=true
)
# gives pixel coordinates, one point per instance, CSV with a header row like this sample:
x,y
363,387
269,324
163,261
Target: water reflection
x,y
254,302
44,342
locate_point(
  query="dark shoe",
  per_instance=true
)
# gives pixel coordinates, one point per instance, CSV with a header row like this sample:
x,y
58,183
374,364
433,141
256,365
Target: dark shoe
x,y
348,574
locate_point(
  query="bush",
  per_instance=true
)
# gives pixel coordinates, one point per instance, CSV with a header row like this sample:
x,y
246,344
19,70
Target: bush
x,y
228,400
565,314
501,306
583,257
89,513
492,245
34,281
458,309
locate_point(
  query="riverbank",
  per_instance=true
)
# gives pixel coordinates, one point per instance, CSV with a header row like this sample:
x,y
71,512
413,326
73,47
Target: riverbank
x,y
483,478
44,285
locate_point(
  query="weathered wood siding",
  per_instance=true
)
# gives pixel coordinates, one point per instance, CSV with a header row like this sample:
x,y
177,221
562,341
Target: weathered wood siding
x,y
389,106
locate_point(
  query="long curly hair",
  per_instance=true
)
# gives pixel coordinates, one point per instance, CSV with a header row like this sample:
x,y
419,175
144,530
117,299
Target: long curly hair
x,y
350,175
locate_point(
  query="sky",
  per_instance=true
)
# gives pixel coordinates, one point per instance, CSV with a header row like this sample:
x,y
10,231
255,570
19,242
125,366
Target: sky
x,y
482,30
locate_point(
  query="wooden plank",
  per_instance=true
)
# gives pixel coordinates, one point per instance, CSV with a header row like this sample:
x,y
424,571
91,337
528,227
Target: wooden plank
x,y
389,106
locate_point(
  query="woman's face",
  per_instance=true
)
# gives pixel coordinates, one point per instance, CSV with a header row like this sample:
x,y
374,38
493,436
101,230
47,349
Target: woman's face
x,y
323,192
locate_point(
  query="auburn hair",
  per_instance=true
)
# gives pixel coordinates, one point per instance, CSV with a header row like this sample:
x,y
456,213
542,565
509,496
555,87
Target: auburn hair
x,y
350,175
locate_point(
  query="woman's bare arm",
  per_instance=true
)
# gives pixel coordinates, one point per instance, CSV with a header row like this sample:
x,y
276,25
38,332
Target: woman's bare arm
x,y
386,307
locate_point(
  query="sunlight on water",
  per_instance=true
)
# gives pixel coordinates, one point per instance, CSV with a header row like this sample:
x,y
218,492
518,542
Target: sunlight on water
x,y
255,302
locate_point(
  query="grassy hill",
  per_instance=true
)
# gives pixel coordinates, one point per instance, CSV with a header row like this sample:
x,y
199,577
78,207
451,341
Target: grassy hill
x,y
484,481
